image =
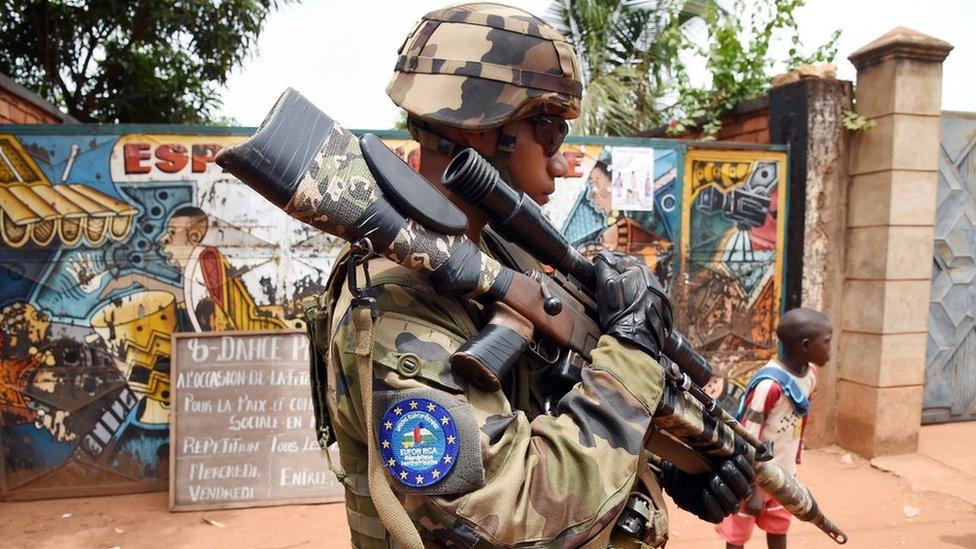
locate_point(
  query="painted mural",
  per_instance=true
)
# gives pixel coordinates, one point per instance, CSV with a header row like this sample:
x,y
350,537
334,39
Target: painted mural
x,y
713,236
111,242
733,234
108,245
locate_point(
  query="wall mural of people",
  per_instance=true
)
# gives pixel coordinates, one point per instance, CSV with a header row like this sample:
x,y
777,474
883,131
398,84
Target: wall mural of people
x,y
112,242
109,245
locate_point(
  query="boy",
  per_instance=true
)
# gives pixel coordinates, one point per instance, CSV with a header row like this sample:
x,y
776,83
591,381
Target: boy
x,y
774,408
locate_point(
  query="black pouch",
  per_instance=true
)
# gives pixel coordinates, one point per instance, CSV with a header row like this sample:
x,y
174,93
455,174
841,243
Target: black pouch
x,y
317,323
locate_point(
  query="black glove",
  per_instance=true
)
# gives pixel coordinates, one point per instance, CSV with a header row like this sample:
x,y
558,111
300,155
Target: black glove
x,y
632,304
710,496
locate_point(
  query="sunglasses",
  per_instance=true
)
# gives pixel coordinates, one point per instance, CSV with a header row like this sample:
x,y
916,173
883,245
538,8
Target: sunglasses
x,y
550,132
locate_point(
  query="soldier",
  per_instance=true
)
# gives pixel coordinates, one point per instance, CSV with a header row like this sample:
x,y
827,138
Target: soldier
x,y
500,468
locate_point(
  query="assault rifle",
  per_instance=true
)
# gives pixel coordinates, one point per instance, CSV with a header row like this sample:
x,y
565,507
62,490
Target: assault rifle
x,y
358,190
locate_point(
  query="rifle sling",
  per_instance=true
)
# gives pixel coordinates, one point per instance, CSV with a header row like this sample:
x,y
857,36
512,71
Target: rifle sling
x,y
388,507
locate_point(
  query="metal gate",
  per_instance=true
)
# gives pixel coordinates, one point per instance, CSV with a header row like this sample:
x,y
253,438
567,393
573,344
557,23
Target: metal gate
x,y
950,359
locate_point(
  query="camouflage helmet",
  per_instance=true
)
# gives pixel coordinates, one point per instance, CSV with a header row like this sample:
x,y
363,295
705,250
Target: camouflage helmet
x,y
479,66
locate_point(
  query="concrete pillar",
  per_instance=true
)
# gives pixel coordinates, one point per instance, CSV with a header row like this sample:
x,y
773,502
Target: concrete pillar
x,y
890,218
807,115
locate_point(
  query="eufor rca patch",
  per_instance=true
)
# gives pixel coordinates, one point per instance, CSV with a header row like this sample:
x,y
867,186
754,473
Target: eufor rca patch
x,y
419,442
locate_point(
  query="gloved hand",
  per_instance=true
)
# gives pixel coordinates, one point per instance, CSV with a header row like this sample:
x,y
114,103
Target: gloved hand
x,y
713,495
632,304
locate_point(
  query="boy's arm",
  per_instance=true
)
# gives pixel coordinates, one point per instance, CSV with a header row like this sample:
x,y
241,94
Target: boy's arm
x,y
803,430
759,403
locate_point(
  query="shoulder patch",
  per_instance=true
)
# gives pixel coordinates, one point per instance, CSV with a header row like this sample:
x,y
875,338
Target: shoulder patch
x,y
428,441
418,442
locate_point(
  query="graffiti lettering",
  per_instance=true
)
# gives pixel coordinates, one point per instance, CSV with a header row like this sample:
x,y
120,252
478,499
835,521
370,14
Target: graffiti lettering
x,y
573,159
203,155
134,154
170,158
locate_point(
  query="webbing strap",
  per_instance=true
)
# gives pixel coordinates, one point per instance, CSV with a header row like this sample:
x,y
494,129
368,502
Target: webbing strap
x,y
392,514
357,484
490,71
512,24
431,139
659,517
365,524
792,389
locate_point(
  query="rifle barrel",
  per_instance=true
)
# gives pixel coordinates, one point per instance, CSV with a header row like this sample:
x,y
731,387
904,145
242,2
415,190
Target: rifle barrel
x,y
518,219
713,432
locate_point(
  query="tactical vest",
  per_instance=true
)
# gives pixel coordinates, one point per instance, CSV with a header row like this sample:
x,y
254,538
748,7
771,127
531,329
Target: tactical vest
x,y
523,391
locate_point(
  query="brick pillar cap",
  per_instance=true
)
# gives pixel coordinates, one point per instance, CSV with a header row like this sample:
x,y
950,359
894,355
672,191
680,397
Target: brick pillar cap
x,y
901,42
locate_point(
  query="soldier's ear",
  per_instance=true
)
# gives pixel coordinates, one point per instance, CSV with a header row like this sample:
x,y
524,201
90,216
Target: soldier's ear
x,y
485,142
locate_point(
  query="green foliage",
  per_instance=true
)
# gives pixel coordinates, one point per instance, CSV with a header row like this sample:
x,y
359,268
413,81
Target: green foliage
x,y
148,61
633,59
625,64
401,121
856,122
738,59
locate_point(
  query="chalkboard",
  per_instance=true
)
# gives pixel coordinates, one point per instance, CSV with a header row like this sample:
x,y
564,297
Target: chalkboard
x,y
242,430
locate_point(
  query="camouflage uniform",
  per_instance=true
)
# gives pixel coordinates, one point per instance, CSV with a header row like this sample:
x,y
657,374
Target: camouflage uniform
x,y
530,477
559,479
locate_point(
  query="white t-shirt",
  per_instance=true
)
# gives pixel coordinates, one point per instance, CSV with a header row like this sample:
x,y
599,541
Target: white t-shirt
x,y
770,416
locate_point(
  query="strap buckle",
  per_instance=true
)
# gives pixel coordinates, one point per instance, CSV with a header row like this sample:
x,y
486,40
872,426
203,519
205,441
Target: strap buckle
x,y
324,435
362,250
636,518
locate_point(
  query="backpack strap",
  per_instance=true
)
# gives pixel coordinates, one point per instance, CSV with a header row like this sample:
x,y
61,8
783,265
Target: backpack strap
x,y
792,389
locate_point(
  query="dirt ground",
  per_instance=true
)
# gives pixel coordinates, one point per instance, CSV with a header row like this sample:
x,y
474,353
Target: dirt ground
x,y
924,500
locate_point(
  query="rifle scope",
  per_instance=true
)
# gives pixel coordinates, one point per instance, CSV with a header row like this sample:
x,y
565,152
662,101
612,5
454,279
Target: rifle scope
x,y
514,215
518,218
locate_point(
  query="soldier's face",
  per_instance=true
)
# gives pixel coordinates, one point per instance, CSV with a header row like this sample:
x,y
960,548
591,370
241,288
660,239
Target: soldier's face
x,y
532,170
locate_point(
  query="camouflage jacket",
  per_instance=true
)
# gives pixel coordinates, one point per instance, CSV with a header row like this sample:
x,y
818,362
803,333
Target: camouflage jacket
x,y
522,477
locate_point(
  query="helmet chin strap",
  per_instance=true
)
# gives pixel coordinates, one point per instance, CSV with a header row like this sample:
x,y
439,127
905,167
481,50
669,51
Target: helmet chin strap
x,y
430,138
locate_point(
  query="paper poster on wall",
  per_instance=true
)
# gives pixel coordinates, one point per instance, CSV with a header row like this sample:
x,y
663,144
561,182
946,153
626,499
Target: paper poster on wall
x,y
633,178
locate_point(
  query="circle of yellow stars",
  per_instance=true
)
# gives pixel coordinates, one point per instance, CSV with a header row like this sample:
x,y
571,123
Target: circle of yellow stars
x,y
450,439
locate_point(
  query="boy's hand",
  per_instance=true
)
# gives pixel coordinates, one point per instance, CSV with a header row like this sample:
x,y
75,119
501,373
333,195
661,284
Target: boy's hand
x,y
754,505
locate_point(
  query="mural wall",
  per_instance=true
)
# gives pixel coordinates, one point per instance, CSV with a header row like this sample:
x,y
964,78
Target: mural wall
x,y
111,242
732,259
713,234
108,245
